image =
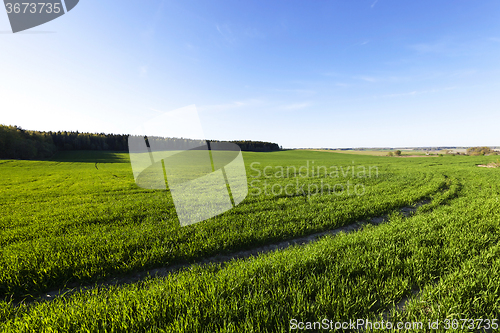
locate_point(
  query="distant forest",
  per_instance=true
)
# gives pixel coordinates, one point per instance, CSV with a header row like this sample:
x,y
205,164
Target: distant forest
x,y
17,143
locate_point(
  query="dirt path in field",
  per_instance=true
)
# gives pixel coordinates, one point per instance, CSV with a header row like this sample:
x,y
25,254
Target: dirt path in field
x,y
405,156
222,258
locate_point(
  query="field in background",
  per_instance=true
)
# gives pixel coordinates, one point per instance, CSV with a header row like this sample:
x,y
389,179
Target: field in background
x,y
375,152
80,219
404,152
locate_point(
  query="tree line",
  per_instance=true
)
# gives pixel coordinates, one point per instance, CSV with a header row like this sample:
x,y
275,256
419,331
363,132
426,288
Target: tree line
x,y
257,146
18,143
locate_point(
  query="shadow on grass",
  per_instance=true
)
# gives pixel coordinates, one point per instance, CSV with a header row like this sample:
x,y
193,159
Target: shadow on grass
x,y
91,156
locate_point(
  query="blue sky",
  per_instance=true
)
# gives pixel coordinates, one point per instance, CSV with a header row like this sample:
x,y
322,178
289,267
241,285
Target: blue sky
x,y
300,73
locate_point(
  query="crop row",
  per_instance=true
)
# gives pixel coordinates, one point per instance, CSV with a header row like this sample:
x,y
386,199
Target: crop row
x,y
448,253
82,222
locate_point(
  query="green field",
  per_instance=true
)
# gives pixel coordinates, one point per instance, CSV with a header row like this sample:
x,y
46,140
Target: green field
x,y
383,152
80,220
376,152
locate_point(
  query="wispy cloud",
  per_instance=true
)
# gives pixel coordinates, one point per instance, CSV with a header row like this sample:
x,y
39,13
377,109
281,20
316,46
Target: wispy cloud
x,y
417,92
411,93
149,33
231,105
450,47
393,79
447,46
373,4
301,92
463,73
368,79
439,47
253,103
295,106
330,74
225,32
143,70
359,43
253,33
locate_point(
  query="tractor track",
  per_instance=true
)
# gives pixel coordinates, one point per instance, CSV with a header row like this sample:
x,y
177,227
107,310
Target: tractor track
x,y
135,277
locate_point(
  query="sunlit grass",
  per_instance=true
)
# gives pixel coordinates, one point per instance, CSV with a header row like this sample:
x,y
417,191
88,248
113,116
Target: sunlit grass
x,y
79,222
